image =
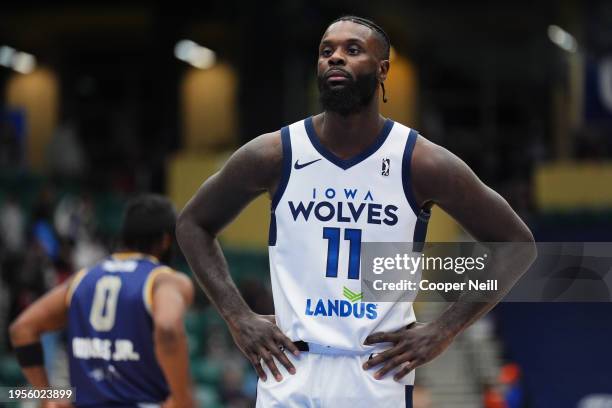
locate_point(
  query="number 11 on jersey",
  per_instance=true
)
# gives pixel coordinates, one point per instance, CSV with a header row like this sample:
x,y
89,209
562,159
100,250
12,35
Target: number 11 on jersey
x,y
332,235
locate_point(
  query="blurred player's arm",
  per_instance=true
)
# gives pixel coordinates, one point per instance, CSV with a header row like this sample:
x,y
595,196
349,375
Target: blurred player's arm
x,y
443,179
171,297
252,170
48,313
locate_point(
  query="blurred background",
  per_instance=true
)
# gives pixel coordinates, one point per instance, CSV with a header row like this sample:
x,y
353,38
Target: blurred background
x,y
99,102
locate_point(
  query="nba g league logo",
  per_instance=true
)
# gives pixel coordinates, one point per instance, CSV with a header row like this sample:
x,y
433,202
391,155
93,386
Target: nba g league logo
x,y
386,165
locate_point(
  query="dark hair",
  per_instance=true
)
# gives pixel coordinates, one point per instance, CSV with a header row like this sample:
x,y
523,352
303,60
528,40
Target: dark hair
x,y
146,219
381,35
373,26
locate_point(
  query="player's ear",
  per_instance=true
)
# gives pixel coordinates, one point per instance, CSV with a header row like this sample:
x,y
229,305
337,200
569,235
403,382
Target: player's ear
x,y
166,242
383,70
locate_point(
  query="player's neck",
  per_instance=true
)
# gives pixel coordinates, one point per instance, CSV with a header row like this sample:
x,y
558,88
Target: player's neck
x,y
126,252
361,129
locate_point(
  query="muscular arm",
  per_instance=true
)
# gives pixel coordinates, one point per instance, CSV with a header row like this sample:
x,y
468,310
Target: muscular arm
x,y
249,172
172,295
252,170
445,180
46,314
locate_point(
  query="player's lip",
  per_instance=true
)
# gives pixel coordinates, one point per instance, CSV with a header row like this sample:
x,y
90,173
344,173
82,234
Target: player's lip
x,y
336,74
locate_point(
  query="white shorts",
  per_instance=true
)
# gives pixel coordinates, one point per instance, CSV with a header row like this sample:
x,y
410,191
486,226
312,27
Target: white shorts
x,y
333,381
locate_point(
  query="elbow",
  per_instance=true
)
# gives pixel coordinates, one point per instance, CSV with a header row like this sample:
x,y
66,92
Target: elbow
x,y
188,228
520,233
169,334
184,227
518,244
533,249
527,241
528,236
20,332
15,331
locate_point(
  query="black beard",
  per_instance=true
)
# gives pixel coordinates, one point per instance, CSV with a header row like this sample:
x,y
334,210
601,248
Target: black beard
x,y
351,98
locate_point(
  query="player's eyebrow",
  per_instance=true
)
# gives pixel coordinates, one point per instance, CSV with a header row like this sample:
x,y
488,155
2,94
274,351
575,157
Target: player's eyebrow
x,y
348,40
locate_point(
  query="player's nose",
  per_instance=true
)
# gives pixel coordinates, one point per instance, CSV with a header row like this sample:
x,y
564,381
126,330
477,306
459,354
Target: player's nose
x,y
337,58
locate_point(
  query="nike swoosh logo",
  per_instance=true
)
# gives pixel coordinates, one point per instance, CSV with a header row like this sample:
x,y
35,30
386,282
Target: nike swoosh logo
x,y
298,166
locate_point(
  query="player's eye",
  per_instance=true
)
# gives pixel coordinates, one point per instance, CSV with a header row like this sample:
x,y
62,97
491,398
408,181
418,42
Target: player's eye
x,y
353,50
326,52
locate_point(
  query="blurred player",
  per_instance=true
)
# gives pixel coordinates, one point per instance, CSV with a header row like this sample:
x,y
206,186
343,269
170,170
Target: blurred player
x,y
124,318
337,179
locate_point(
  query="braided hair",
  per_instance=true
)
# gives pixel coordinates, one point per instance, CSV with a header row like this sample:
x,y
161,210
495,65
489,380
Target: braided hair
x,y
381,34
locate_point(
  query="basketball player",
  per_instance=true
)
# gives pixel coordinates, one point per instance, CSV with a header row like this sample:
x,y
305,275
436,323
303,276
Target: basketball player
x,y
345,176
124,319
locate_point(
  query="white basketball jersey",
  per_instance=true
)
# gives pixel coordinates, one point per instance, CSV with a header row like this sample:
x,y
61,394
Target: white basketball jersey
x,y
323,209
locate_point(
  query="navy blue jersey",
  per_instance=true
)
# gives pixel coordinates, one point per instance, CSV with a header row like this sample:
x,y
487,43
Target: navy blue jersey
x,y
110,334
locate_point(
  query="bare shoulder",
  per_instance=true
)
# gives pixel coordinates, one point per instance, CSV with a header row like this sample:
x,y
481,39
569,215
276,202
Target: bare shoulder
x,y
266,147
429,158
442,178
178,280
436,170
259,160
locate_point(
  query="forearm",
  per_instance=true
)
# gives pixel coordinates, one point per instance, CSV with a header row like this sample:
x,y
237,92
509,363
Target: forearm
x,y
23,336
172,352
508,262
210,269
45,315
36,375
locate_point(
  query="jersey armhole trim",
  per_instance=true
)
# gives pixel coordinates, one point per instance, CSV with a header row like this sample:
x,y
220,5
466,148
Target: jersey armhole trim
x,y
423,214
408,395
407,171
286,168
282,183
74,284
147,290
